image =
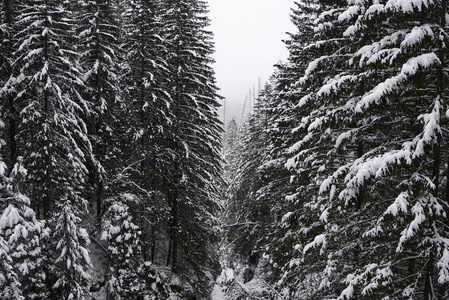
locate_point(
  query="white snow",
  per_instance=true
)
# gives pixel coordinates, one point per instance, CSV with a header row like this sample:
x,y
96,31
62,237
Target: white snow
x,y
399,204
347,293
443,265
374,9
311,67
319,240
217,293
417,35
286,217
410,68
325,214
334,84
348,14
413,227
431,129
407,6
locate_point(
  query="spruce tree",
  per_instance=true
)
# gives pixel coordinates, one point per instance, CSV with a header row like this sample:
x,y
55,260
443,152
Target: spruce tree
x,y
53,136
99,47
193,178
148,104
379,197
21,238
8,12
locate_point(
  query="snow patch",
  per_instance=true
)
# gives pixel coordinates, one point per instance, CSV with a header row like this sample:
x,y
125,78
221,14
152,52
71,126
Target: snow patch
x,y
399,204
319,240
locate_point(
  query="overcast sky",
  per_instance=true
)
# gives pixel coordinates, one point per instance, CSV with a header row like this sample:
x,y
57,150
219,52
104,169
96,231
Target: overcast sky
x,y
248,41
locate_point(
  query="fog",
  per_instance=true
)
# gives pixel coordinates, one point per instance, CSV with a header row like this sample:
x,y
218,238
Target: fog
x,y
248,41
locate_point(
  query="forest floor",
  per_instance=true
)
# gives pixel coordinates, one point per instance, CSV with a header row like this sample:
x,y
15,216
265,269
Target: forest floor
x,y
217,293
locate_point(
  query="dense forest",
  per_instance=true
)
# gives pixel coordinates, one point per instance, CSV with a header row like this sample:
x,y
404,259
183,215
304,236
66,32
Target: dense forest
x,y
338,182
110,150
116,183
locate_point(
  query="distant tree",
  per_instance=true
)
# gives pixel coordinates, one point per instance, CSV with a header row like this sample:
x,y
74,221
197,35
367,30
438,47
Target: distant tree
x,y
232,141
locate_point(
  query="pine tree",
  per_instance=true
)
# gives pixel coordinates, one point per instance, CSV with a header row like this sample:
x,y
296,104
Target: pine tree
x,y
72,254
53,137
99,38
369,114
192,187
279,116
131,276
314,47
21,240
8,11
146,93
232,142
124,244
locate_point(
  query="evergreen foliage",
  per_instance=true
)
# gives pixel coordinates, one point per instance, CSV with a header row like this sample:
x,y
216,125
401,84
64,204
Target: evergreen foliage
x,y
105,129
336,186
363,103
192,186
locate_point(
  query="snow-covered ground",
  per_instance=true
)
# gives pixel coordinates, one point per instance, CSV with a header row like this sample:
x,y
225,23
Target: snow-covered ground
x,y
217,293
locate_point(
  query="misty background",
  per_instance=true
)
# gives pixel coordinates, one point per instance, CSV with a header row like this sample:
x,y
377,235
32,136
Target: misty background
x,y
248,40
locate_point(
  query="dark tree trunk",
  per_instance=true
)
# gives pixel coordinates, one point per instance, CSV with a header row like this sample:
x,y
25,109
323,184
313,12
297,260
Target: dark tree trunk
x,y
173,246
47,198
175,233
153,243
428,285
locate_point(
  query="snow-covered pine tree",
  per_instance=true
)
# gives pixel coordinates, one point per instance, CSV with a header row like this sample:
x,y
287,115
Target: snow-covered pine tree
x,y
383,211
100,53
244,217
131,277
280,118
231,143
148,103
53,136
72,259
21,234
8,11
253,194
124,245
317,43
21,239
193,181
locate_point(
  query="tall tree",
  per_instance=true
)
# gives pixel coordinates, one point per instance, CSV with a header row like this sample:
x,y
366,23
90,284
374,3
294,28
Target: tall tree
x,y
53,137
193,181
8,12
100,52
146,93
369,114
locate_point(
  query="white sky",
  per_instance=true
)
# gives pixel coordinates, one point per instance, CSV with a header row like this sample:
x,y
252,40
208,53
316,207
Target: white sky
x,y
248,42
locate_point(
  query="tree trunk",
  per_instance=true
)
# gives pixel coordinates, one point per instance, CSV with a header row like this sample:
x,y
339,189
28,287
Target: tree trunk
x,y
153,244
428,286
175,232
173,245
